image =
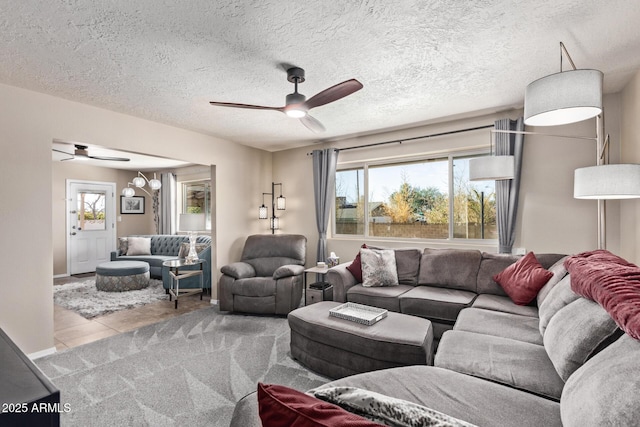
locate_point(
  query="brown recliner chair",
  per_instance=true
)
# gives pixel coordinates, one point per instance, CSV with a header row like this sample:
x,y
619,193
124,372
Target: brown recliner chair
x,y
268,279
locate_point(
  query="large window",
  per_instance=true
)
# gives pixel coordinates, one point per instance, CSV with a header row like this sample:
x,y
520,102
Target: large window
x,y
425,199
196,198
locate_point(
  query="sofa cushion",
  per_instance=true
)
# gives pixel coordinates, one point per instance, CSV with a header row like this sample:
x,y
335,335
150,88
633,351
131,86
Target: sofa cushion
x,y
506,325
254,287
558,297
559,271
467,398
523,279
504,304
450,268
279,406
378,267
387,409
605,390
355,267
490,265
575,333
383,297
138,246
408,263
518,364
435,303
152,260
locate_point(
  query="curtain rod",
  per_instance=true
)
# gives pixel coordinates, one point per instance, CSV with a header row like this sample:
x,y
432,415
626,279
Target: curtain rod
x,y
400,141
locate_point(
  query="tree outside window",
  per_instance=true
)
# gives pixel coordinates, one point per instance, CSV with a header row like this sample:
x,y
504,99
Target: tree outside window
x,y
411,200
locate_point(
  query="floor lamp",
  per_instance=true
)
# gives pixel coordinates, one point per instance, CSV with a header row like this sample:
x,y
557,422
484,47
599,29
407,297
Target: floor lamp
x,y
573,96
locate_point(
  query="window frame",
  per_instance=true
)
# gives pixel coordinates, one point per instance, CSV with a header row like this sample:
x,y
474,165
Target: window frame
x,y
449,157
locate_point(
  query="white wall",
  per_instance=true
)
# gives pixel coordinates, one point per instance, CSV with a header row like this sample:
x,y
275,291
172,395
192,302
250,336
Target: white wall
x,y
29,121
630,153
549,218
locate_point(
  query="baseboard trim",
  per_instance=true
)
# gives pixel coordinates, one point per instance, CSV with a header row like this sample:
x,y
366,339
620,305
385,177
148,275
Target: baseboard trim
x,y
215,302
60,276
41,353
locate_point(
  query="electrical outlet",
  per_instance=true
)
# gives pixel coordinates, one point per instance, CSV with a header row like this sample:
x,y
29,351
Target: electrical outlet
x,y
519,251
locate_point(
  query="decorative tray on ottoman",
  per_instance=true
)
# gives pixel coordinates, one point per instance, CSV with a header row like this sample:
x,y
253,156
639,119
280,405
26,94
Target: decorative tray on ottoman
x,y
359,313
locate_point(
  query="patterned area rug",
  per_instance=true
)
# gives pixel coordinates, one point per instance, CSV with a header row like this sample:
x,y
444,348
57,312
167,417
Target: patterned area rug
x,y
87,301
186,371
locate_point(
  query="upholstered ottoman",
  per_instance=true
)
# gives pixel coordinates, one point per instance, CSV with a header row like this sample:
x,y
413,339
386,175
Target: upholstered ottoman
x,y
337,348
118,276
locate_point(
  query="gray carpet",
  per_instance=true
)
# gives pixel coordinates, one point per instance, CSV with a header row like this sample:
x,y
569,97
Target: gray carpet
x,y
84,299
186,371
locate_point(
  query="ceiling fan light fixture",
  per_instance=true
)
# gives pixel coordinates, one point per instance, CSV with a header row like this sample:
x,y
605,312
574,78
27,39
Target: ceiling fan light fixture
x,y
296,112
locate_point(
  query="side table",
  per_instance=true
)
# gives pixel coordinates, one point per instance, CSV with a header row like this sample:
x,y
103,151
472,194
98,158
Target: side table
x,y
176,275
316,270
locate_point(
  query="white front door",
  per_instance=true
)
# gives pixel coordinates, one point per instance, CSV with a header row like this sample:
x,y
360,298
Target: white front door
x,y
91,224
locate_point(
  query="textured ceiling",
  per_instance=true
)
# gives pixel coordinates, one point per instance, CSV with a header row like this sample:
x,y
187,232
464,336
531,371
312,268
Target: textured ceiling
x,y
419,60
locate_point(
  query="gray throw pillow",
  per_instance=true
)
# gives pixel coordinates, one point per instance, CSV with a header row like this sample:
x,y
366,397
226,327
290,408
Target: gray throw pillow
x,y
139,246
378,267
385,409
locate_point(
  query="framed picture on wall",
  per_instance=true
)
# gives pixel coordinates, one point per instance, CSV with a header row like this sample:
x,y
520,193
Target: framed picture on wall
x,y
132,205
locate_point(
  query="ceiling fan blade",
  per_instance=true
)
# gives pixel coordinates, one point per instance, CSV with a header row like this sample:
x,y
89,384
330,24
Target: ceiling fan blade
x,y
113,159
334,93
253,107
312,124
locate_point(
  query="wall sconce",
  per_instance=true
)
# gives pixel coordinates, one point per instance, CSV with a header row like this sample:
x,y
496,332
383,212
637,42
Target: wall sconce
x,y
139,182
279,203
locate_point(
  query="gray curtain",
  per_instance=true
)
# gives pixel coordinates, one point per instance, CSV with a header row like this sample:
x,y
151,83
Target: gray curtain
x,y
508,190
168,207
324,181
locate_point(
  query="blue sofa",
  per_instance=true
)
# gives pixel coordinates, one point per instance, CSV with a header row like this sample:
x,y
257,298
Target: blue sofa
x,y
165,247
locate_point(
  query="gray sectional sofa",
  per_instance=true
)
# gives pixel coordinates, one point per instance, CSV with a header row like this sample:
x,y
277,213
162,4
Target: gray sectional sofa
x,y
437,284
560,361
165,247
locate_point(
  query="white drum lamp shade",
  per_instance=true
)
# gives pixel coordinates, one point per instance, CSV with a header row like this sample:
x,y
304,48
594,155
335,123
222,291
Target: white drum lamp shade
x,y
565,97
491,168
621,181
192,222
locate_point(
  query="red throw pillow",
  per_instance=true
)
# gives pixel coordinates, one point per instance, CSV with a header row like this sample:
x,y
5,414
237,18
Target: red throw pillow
x,y
356,266
281,406
523,279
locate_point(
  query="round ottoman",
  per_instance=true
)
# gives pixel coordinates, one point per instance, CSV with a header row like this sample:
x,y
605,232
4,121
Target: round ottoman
x,y
118,276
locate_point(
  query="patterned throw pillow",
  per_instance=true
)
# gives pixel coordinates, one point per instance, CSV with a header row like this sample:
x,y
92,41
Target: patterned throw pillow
x,y
123,245
386,410
378,267
184,249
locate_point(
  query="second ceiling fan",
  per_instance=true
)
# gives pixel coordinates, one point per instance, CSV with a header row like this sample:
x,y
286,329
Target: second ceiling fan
x,y
298,106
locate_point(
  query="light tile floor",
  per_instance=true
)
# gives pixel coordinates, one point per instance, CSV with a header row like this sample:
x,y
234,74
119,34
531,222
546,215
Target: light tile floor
x,y
71,329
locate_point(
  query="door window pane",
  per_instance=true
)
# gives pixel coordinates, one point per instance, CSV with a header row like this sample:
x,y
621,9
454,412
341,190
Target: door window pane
x,y
474,205
349,215
91,211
